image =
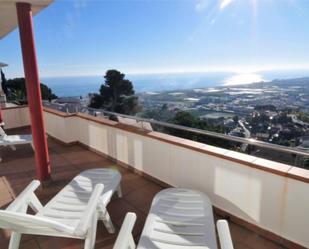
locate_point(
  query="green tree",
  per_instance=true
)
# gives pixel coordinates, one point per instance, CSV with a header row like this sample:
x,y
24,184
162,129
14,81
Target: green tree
x,y
16,90
161,114
187,119
116,94
303,117
47,93
236,119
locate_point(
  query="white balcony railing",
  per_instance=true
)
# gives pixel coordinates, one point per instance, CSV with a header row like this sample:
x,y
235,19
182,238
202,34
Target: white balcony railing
x,y
273,197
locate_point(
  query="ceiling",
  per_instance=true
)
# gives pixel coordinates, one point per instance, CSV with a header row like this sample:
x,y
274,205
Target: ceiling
x,y
8,17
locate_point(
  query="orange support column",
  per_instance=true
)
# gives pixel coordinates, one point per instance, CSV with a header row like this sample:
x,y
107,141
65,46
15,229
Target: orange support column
x,y
25,24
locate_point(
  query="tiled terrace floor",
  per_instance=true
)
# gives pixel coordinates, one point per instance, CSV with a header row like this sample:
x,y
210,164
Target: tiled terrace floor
x,y
18,168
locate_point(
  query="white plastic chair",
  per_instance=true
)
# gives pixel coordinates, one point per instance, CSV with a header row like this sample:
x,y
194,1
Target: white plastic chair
x,y
13,140
72,213
125,238
224,234
178,218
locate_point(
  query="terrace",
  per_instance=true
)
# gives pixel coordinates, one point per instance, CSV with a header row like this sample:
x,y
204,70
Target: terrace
x,y
266,207
265,202
17,170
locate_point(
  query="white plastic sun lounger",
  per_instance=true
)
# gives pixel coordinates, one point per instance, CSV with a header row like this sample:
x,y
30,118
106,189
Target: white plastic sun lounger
x,y
178,218
12,140
72,213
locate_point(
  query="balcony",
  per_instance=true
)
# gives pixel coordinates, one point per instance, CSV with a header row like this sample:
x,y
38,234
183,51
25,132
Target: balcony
x,y
266,202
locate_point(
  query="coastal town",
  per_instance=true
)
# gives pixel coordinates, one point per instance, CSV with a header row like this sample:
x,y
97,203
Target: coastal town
x,y
276,112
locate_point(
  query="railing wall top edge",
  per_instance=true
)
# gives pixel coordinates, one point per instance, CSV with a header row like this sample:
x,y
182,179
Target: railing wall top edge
x,y
277,168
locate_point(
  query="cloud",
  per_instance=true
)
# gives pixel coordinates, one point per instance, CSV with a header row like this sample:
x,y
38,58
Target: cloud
x,y
72,17
201,5
225,3
80,4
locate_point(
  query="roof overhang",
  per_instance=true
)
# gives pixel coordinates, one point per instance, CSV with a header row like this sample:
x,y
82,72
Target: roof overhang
x,y
8,16
3,65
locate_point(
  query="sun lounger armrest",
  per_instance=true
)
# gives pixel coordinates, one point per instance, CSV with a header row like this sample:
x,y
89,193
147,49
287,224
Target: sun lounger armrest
x,y
26,197
90,210
224,235
125,239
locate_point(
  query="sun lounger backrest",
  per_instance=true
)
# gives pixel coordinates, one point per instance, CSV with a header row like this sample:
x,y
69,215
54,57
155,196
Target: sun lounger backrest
x,y
2,133
30,224
179,218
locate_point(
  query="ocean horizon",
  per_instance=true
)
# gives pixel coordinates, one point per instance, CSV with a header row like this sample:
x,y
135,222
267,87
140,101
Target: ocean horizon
x,y
82,85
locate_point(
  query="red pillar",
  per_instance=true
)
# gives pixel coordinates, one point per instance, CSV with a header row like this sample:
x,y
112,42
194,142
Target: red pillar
x,y
25,24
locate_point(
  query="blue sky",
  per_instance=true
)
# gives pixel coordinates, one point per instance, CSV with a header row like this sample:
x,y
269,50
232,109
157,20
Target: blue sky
x,y
88,37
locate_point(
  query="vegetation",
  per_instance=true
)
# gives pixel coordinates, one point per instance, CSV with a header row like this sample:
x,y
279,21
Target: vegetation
x,y
303,117
161,114
186,119
235,119
15,90
265,108
47,92
116,94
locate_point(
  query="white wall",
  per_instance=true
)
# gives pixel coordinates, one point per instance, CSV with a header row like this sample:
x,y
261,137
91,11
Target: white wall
x,y
273,202
15,117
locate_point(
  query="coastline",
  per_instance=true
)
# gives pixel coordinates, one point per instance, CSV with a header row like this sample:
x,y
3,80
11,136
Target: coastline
x,y
82,85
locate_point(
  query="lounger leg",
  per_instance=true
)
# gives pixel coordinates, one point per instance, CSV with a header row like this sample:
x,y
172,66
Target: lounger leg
x,y
15,240
92,232
104,216
32,145
119,191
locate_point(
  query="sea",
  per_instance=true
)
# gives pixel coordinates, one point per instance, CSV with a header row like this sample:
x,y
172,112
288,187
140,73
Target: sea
x,y
82,85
